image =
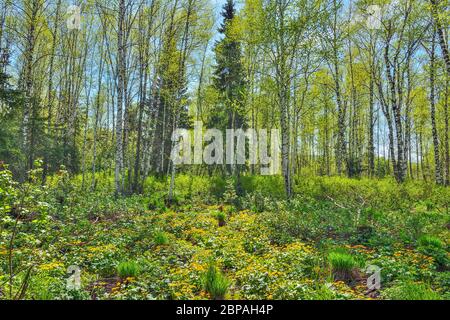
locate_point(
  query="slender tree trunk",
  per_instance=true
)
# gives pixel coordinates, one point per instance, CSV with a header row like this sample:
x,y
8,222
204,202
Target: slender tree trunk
x,y
422,162
50,95
437,162
371,146
181,79
441,33
392,74
417,155
29,53
445,52
408,148
120,97
144,70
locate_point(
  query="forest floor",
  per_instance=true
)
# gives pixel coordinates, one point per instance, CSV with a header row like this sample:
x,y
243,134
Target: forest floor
x,y
172,268
132,248
256,268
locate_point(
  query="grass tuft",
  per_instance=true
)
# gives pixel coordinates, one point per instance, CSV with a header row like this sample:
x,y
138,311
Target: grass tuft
x,y
342,265
430,241
215,283
221,217
128,269
161,238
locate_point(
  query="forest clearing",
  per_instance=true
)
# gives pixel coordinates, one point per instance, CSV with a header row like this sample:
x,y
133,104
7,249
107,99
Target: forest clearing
x,y
224,150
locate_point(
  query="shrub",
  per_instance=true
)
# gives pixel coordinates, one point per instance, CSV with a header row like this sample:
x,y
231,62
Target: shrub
x,y
414,227
257,202
230,197
266,186
363,234
8,191
156,202
411,291
161,238
215,283
285,226
128,269
342,265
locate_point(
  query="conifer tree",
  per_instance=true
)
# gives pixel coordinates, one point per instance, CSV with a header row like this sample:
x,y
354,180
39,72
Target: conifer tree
x,y
229,80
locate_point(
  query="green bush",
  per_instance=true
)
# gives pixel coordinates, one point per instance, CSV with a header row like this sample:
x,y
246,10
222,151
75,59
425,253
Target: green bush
x,y
257,202
306,219
266,186
157,202
215,283
197,189
411,291
128,269
230,196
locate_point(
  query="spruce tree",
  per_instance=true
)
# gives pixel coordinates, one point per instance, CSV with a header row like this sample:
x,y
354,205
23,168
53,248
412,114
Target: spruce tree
x,y
229,81
229,75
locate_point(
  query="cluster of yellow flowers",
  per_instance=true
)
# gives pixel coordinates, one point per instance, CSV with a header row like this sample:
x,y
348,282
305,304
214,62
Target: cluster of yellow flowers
x,y
51,266
299,247
103,248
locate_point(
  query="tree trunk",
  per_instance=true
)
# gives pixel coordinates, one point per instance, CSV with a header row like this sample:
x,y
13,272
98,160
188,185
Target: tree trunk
x,y
27,131
120,97
50,96
371,146
437,162
441,33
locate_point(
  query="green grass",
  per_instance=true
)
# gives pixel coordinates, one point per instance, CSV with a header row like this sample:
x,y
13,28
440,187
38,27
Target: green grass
x,y
221,218
128,269
342,265
161,238
434,247
215,283
430,241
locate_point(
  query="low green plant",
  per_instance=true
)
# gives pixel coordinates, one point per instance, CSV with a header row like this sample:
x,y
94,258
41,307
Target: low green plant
x,y
255,246
156,202
161,238
323,292
430,241
221,217
215,283
411,291
128,269
434,247
342,265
